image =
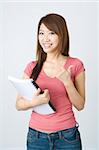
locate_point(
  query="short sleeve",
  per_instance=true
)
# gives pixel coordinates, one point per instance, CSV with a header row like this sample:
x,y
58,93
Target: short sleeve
x,y
29,68
79,67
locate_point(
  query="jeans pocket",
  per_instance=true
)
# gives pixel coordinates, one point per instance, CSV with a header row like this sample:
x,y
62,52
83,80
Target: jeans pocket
x,y
71,135
31,137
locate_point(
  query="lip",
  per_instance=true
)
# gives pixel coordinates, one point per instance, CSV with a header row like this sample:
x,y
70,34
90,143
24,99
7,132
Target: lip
x,y
47,45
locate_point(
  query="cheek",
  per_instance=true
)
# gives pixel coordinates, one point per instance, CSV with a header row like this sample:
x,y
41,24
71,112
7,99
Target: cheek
x,y
56,41
40,40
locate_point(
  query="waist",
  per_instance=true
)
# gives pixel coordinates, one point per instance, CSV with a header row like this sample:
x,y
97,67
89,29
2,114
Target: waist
x,y
54,134
43,131
51,123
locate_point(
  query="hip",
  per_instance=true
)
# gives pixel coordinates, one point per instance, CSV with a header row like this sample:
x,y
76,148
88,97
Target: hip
x,y
59,140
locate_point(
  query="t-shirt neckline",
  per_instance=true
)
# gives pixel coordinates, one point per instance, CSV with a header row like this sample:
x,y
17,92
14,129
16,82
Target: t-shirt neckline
x,y
54,77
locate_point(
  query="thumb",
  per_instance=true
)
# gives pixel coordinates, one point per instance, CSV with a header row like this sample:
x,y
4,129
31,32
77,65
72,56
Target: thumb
x,y
46,91
38,92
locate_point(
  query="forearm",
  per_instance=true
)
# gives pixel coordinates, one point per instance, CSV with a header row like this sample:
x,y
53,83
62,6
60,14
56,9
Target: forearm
x,y
76,99
37,99
23,104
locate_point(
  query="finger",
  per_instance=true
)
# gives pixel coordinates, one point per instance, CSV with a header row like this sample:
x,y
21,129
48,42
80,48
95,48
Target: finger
x,y
38,92
46,91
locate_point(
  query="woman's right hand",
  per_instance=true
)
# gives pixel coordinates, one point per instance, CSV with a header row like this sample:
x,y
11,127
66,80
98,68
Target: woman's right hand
x,y
39,99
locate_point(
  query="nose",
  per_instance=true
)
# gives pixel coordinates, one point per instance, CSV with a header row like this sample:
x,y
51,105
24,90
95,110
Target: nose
x,y
46,38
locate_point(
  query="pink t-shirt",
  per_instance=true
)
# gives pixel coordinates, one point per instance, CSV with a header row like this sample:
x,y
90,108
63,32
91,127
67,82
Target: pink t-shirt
x,y
64,117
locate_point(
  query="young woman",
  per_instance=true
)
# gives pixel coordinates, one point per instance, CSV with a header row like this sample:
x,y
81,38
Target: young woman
x,y
62,78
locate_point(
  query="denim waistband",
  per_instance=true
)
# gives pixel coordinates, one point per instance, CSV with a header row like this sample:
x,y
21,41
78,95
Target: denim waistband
x,y
57,134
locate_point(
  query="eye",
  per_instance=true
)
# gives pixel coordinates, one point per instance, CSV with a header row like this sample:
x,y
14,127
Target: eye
x,y
41,33
52,32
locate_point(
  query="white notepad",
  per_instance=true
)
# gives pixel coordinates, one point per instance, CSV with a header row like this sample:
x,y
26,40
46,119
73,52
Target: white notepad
x,y
26,88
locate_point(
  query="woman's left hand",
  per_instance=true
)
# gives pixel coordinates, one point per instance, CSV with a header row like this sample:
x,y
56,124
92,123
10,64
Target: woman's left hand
x,y
65,75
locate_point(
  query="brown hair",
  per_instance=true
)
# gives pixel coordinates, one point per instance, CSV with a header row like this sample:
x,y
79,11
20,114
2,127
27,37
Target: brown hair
x,y
56,23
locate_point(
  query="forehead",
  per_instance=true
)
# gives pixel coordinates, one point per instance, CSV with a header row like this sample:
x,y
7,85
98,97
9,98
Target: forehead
x,y
43,27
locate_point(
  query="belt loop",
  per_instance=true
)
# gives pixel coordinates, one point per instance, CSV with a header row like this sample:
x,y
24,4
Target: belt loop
x,y
37,134
60,134
49,137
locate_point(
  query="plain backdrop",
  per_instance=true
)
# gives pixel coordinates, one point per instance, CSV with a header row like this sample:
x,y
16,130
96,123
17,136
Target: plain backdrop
x,y
18,28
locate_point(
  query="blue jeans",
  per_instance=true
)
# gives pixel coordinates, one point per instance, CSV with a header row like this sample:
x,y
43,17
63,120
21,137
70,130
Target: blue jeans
x,y
68,139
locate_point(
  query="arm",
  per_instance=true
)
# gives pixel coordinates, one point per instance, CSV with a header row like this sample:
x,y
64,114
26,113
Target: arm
x,y
76,91
38,99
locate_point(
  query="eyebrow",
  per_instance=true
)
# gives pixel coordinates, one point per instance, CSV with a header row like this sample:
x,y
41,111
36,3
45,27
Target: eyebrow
x,y
43,30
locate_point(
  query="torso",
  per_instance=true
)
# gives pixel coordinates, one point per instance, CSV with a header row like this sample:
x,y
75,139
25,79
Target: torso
x,y
51,70
64,117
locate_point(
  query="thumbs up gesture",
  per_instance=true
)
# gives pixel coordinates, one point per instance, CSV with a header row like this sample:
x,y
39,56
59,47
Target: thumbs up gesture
x,y
65,75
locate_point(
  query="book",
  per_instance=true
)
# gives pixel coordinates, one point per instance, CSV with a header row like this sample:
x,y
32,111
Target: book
x,y
26,88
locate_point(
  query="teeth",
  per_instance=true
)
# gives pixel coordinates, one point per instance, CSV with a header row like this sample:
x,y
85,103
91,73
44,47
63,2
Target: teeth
x,y
47,45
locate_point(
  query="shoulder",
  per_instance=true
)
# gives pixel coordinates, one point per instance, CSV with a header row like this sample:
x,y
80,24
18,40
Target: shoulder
x,y
31,64
75,60
77,65
29,67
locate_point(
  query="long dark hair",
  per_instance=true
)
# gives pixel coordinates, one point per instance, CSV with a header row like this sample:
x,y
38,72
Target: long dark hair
x,y
56,23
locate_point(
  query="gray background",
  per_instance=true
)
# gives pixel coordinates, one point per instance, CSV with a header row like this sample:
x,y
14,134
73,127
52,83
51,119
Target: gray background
x,y
18,26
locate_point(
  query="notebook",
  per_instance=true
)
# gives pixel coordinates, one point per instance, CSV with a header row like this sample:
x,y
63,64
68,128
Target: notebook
x,y
26,88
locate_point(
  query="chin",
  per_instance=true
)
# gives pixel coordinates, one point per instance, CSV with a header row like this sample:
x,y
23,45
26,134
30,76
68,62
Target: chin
x,y
47,50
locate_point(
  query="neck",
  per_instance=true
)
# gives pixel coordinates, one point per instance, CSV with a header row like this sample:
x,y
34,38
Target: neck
x,y
53,57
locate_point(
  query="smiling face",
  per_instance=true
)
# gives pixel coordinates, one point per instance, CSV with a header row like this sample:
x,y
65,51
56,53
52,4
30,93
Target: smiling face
x,y
48,39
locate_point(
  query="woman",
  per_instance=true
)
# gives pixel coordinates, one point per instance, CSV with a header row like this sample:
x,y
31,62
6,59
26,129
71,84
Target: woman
x,y
62,79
